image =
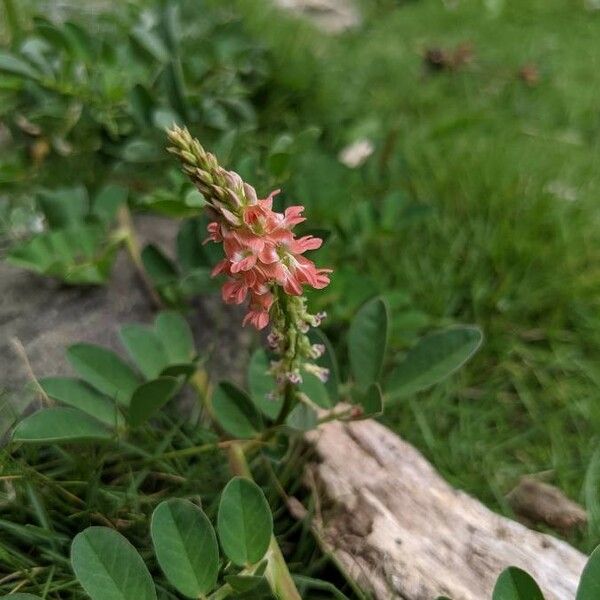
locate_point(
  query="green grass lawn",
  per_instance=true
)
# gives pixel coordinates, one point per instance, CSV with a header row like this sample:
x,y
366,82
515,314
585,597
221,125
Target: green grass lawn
x,y
479,204
512,239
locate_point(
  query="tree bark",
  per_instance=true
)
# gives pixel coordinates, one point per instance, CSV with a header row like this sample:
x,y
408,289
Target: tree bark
x,y
400,531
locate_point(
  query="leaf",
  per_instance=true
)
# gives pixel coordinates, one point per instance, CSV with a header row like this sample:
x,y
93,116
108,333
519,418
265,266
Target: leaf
x,y
78,394
315,389
159,268
16,66
176,337
261,384
175,88
149,398
302,417
64,207
186,547
104,370
185,371
235,412
367,340
371,401
515,584
190,254
140,105
318,584
589,584
108,200
77,255
140,151
20,596
151,43
244,522
59,424
243,583
329,361
435,357
145,349
108,567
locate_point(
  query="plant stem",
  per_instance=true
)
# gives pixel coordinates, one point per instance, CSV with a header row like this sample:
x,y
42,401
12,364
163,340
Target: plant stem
x,y
277,572
286,407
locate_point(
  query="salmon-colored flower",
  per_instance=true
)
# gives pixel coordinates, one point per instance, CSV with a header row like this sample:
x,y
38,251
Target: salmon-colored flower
x,y
261,251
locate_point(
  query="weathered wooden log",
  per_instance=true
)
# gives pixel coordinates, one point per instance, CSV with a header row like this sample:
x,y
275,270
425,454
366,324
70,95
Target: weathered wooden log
x,y
400,531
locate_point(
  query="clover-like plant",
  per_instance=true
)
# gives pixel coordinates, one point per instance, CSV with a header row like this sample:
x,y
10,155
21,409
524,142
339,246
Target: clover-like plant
x,y
293,385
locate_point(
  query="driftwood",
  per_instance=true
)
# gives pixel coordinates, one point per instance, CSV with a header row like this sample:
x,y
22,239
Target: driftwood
x,y
400,531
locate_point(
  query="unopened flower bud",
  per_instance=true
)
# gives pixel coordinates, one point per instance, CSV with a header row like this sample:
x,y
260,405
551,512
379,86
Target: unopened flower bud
x,y
317,350
294,377
320,372
250,194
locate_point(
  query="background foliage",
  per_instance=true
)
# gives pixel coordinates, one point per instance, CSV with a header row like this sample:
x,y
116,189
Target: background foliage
x,y
478,204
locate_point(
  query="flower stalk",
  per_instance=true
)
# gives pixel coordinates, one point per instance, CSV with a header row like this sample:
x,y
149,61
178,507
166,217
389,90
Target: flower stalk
x,y
264,263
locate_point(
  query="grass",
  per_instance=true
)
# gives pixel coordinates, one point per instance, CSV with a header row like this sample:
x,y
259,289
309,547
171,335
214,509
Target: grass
x,y
479,205
510,174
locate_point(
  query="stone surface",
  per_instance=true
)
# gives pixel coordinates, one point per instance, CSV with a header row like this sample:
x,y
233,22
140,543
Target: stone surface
x,y
46,317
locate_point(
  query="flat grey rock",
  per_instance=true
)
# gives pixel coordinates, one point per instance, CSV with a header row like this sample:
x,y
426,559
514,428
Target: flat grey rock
x,y
46,316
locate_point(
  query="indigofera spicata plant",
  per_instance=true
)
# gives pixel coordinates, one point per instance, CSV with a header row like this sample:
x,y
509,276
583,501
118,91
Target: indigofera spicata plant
x,y
294,383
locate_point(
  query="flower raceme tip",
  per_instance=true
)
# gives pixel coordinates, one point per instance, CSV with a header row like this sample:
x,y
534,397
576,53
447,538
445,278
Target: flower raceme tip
x,y
261,251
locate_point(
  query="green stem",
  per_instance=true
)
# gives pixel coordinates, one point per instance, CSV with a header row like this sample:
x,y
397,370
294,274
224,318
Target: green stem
x,y
277,572
286,407
12,19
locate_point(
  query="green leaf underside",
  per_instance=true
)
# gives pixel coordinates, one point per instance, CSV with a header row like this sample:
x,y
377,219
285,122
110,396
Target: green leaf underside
x,y
367,340
329,361
244,522
435,357
244,583
515,584
159,268
302,417
109,568
77,255
59,424
315,389
176,337
589,584
78,394
261,384
186,547
235,412
145,349
150,397
104,370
